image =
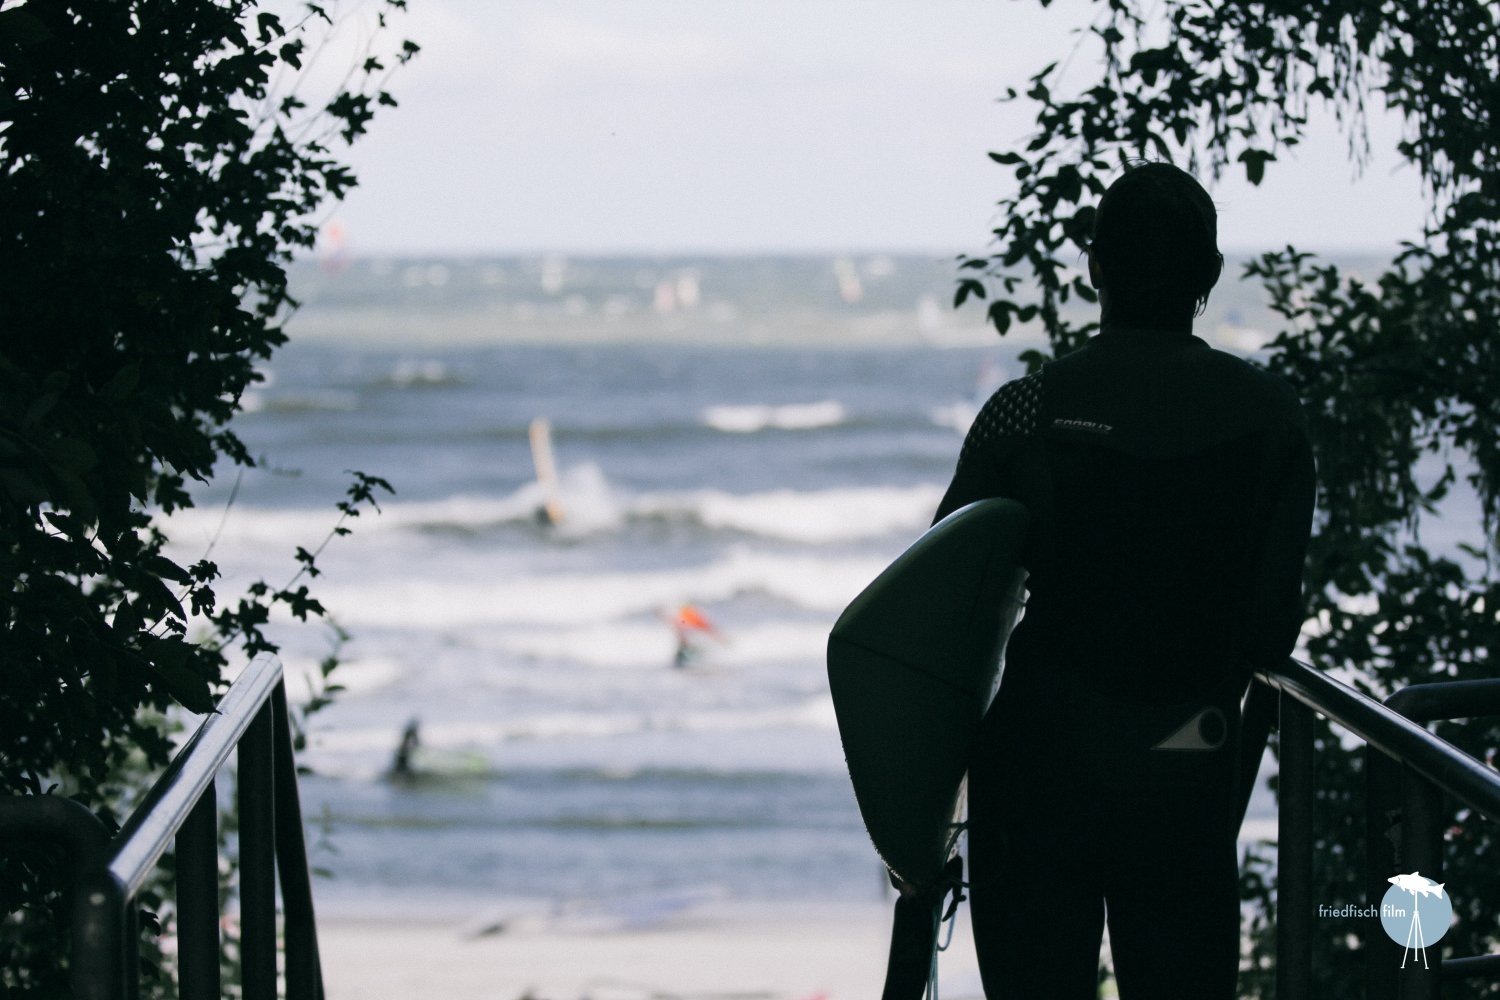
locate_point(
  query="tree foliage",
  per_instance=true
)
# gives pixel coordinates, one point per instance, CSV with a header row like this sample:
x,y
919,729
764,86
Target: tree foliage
x,y
158,168
1400,373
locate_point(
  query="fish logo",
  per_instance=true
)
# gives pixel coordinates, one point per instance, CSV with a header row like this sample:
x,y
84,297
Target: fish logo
x,y
1415,913
1416,883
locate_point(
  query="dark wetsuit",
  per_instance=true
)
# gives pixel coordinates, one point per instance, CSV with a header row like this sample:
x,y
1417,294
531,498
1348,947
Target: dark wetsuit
x,y
1171,490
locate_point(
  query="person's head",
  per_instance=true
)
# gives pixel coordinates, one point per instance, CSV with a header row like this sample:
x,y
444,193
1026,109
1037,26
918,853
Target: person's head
x,y
1155,254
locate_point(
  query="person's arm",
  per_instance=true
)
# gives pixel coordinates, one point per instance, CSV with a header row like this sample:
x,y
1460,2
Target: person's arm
x,y
1008,415
1276,605
976,478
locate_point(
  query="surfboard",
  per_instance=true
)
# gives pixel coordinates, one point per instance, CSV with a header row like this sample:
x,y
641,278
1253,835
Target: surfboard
x,y
912,664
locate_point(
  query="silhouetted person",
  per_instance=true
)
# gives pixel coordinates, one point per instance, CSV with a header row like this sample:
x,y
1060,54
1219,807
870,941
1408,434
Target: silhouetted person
x,y
1171,490
401,766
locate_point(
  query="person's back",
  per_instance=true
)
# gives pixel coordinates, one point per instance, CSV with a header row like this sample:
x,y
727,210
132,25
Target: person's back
x,y
1170,487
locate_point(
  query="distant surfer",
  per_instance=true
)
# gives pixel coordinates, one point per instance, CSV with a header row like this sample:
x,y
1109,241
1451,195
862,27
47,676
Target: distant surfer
x,y
401,761
1171,490
549,512
689,626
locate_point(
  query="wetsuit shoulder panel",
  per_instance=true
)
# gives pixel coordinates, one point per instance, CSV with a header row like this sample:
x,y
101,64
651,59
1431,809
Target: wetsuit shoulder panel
x,y
1162,400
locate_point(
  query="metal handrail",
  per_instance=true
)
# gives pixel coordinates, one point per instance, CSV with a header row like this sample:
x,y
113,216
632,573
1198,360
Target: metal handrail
x,y
149,831
182,808
1435,765
1393,734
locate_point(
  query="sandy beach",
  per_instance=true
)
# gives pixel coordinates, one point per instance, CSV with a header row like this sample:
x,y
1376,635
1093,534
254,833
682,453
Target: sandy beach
x,y
722,951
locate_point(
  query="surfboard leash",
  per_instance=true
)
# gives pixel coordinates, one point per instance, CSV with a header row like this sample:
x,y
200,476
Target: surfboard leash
x,y
953,883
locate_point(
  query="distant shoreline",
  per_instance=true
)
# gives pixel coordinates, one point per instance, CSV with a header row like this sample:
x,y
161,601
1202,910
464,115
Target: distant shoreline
x,y
853,300
478,328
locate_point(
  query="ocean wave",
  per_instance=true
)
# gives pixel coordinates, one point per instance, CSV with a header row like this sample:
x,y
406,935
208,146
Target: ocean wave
x,y
293,403
709,426
447,594
748,419
649,645
425,373
356,677
592,506
814,713
817,516
959,416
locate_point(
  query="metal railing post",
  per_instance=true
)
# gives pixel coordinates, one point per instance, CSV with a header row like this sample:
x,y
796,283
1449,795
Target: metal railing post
x,y
304,978
1383,858
130,950
198,900
257,839
1294,856
99,938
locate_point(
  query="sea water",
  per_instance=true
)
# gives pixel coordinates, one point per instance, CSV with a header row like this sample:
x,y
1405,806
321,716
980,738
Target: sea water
x,y
566,764
565,761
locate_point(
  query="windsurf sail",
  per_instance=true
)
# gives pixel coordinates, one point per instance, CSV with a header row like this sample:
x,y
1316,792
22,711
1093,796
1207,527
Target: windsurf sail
x,y
551,508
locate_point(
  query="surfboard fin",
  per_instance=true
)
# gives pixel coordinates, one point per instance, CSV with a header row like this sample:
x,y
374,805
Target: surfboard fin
x,y
1204,731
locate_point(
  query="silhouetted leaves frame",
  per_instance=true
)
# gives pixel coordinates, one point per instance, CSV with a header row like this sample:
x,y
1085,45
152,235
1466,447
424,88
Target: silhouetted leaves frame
x,y
158,168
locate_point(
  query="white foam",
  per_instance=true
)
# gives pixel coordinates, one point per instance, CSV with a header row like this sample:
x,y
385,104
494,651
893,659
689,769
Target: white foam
x,y
449,594
363,676
299,401
591,505
618,645
589,502
410,372
747,419
813,712
811,516
650,645
959,416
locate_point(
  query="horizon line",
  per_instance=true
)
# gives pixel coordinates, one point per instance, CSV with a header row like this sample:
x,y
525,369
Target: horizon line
x,y
746,253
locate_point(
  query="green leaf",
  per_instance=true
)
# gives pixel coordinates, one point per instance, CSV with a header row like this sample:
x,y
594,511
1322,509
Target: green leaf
x,y
71,455
156,600
967,287
269,26
123,383
1255,161
73,493
19,27
187,688
999,316
21,487
167,569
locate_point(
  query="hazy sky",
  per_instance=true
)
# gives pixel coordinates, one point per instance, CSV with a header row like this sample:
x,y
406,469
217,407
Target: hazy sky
x,y
666,126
